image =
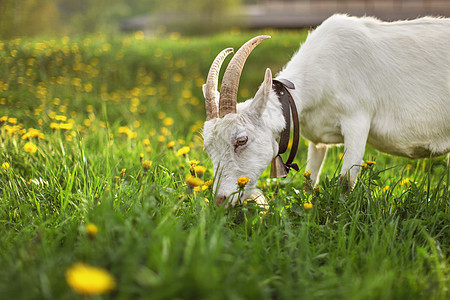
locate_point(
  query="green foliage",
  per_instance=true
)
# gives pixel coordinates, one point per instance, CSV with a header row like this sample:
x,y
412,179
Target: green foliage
x,y
96,109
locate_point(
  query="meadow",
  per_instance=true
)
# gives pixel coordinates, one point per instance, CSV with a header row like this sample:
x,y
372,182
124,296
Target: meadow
x,y
105,190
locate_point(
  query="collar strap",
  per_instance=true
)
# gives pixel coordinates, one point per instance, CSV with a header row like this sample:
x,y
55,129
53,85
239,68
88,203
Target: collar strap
x,y
278,167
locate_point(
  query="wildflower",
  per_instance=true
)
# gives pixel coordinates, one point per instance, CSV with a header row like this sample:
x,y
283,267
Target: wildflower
x,y
89,108
183,151
194,181
33,133
141,157
308,206
91,230
198,170
307,174
146,142
208,183
5,165
60,118
122,172
242,181
168,121
146,164
3,119
12,121
30,147
161,115
66,126
193,163
406,181
200,188
170,144
370,162
88,280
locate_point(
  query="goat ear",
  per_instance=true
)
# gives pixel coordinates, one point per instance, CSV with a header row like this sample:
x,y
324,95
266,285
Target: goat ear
x,y
262,95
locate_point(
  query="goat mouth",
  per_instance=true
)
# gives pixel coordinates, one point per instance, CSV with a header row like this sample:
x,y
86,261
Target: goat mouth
x,y
259,198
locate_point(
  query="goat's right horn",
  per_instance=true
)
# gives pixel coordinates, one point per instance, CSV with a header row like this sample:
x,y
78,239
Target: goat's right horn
x,y
230,81
210,88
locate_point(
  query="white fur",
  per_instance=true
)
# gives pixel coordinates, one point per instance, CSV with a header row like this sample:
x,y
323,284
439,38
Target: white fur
x,y
358,81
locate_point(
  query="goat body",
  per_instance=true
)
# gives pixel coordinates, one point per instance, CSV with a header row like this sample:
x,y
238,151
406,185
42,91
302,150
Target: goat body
x,y
358,81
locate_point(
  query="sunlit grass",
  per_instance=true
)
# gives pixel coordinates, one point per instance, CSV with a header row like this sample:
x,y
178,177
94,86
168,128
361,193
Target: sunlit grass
x,y
102,164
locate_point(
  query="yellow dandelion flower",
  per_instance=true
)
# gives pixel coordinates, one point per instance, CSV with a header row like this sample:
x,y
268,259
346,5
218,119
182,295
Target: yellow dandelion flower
x,y
66,126
171,144
5,165
4,118
60,118
406,181
146,142
208,183
54,125
168,121
89,108
12,121
308,206
165,131
307,174
201,188
146,164
365,166
242,181
370,162
194,181
193,163
199,170
183,151
30,147
122,172
161,115
91,230
88,280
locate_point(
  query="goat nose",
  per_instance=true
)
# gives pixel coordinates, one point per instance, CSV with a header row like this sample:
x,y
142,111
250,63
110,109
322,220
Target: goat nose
x,y
220,200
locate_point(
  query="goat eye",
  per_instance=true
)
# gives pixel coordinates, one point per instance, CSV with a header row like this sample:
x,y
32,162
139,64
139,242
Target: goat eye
x,y
241,141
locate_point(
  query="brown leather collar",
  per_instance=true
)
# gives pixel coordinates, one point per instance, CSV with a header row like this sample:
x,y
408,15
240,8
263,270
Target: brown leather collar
x,y
278,167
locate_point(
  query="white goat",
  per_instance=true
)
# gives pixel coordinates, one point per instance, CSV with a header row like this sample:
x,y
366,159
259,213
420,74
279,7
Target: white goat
x,y
357,81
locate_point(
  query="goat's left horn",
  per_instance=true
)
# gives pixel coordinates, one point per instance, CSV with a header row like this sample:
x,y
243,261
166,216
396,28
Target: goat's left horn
x,y
210,88
230,81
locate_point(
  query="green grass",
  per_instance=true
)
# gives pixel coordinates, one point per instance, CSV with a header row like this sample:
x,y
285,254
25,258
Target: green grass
x,y
387,239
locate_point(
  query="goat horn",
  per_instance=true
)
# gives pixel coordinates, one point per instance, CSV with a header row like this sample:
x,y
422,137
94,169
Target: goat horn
x,y
210,88
230,82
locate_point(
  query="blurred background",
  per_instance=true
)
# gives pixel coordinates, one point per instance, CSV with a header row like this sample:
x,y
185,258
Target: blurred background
x,y
193,17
